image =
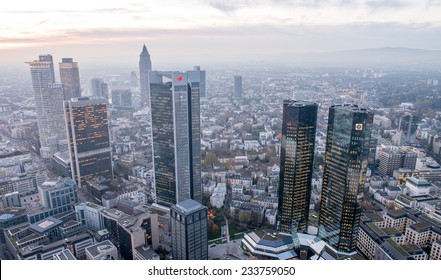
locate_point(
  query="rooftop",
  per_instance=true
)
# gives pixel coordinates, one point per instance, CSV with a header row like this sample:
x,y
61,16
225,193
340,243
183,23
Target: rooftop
x,y
271,238
10,213
65,255
45,224
146,252
101,248
188,206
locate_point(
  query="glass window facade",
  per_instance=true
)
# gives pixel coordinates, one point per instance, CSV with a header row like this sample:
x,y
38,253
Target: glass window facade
x,y
347,151
296,164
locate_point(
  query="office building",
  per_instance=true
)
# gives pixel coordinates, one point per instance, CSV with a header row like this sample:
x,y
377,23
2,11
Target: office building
x,y
175,115
70,78
57,197
145,66
104,250
121,98
90,215
11,217
137,232
88,134
49,98
189,231
347,148
296,164
197,79
394,159
99,88
238,87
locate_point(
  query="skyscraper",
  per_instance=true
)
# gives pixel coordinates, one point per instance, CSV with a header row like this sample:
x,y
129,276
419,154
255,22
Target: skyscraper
x,y
238,86
189,230
49,105
197,78
99,88
175,115
88,134
296,164
347,150
145,66
70,78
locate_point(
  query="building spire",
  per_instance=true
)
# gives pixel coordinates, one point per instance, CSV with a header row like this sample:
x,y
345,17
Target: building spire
x,y
144,49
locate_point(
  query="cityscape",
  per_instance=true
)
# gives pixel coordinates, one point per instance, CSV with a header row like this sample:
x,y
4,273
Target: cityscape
x,y
334,158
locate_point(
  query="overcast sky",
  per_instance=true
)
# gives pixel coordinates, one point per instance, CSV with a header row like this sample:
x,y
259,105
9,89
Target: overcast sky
x,y
202,31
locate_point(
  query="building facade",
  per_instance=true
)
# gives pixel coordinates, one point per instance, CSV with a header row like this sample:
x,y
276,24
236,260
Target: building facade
x,y
145,66
175,115
189,224
296,164
70,78
49,98
238,90
347,143
89,138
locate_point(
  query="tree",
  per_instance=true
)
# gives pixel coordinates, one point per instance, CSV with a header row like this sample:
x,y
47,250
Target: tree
x,y
244,216
211,159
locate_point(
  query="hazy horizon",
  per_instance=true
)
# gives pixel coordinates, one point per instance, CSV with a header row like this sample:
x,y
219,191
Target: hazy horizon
x,y
211,32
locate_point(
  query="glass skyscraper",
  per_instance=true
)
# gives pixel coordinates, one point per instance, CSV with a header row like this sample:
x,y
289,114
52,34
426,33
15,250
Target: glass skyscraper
x,y
175,115
296,164
238,90
89,143
70,78
346,159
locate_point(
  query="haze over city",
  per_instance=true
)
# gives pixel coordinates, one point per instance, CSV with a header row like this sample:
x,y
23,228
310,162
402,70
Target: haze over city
x,y
181,33
220,130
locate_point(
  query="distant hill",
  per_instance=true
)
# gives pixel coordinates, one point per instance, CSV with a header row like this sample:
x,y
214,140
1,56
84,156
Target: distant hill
x,y
393,57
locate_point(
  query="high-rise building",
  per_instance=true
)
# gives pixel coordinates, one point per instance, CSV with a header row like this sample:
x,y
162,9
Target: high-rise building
x,y
70,78
175,115
145,66
238,86
296,164
394,159
408,124
121,98
197,79
99,88
88,134
49,98
347,149
189,230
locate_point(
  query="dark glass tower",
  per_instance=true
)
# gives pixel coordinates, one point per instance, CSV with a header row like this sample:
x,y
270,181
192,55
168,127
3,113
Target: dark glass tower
x,y
189,228
296,164
346,158
145,66
175,114
70,78
88,134
238,86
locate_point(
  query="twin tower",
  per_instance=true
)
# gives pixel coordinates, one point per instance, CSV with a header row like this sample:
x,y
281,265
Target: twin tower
x,y
346,157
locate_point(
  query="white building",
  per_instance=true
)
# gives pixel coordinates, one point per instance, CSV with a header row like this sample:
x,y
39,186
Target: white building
x,y
418,186
90,214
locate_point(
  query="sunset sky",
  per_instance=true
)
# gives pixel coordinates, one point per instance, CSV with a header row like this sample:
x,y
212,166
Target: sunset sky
x,y
218,30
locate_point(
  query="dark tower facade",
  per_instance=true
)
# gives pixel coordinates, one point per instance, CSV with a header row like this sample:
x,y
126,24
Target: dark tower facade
x,y
145,66
296,164
346,158
87,126
175,115
238,90
189,228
